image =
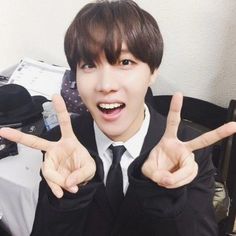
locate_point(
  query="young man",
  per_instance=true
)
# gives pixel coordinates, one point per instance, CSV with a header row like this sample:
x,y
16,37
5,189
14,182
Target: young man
x,y
115,48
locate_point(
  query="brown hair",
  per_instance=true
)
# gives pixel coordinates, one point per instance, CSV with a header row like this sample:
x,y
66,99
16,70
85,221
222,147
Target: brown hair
x,y
104,25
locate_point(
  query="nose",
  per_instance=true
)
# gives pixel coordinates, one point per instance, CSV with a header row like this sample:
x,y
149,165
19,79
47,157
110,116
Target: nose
x,y
107,79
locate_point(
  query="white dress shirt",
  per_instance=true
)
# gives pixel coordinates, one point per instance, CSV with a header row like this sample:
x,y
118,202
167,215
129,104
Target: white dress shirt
x,y
133,148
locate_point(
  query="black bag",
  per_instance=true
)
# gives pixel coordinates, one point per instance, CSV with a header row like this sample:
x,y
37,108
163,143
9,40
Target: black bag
x,y
7,148
71,95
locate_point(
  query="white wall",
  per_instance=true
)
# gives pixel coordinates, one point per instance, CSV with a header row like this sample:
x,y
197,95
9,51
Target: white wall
x,y
35,29
199,35
200,48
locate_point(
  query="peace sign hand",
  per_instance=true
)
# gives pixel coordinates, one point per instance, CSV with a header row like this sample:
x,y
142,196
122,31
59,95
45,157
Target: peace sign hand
x,y
67,162
171,162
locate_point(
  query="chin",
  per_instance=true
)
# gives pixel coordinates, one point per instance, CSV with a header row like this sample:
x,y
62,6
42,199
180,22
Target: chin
x,y
114,134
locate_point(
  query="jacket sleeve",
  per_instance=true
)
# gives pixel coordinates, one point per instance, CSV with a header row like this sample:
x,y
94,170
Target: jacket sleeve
x,y
187,210
64,216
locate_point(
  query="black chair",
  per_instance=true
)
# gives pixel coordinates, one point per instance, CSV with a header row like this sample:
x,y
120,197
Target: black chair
x,y
204,116
3,232
228,169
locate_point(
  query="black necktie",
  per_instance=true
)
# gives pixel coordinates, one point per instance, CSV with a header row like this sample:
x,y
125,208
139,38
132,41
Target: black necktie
x,y
114,183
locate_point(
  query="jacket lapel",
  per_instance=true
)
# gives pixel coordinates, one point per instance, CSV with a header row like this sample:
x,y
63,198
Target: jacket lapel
x,y
156,130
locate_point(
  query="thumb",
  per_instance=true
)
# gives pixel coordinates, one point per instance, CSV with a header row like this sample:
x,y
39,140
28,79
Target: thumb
x,y
80,176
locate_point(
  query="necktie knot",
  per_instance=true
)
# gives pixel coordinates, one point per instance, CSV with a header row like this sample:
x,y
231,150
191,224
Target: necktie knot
x,y
117,152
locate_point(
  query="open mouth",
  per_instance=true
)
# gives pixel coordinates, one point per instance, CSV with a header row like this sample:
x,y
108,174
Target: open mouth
x,y
110,108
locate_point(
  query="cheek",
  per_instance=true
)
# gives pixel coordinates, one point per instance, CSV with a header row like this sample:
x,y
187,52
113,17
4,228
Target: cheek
x,y
138,88
141,79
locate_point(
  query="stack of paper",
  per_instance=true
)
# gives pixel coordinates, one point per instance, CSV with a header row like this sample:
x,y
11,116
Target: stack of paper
x,y
39,78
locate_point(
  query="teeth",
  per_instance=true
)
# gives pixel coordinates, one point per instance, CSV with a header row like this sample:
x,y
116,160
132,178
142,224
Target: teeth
x,y
109,106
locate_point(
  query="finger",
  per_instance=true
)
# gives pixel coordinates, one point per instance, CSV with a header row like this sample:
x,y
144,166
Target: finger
x,y
173,118
211,137
150,171
149,166
50,172
80,176
84,169
64,169
53,185
185,170
63,116
69,164
185,181
57,190
56,179
158,176
182,176
25,139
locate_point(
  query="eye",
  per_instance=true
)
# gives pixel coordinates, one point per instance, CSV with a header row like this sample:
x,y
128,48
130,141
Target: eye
x,y
126,62
87,67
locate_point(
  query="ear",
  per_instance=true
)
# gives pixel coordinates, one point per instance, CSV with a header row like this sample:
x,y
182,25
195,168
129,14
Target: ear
x,y
153,77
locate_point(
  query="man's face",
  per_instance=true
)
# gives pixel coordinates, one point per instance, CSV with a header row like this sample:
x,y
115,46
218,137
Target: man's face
x,y
114,94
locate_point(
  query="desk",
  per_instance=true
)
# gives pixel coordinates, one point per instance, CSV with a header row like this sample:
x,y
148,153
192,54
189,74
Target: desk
x,y
19,181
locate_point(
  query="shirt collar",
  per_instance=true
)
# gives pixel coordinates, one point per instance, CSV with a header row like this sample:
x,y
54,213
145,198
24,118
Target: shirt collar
x,y
132,145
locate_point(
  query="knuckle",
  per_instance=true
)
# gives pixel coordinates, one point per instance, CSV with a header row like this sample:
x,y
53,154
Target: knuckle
x,y
173,122
145,169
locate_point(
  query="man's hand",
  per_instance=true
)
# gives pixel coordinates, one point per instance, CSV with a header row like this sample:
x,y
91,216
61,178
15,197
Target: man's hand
x,y
67,162
171,162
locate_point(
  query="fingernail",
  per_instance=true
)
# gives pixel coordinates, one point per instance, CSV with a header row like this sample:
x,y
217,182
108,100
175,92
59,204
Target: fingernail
x,y
74,189
59,194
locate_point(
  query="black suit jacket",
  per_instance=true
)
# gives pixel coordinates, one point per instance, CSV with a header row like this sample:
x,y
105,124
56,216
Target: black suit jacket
x,y
147,210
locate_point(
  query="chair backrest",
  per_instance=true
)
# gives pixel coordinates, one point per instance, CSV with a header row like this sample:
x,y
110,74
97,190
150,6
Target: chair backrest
x,y
228,169
199,111
204,116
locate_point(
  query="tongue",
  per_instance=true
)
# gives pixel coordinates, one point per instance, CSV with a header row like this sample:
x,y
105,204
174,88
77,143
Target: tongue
x,y
112,111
